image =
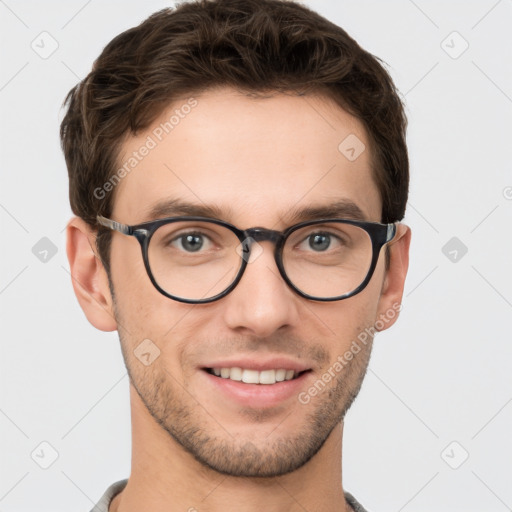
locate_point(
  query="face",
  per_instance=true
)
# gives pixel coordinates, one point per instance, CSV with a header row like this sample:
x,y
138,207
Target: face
x,y
256,162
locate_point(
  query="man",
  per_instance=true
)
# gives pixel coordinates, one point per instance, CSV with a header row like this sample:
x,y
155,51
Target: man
x,y
238,171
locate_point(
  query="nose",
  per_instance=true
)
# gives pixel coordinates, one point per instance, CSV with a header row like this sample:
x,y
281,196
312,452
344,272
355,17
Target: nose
x,y
262,303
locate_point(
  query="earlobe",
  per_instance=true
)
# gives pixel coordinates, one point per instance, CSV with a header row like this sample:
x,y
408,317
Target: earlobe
x,y
394,281
88,276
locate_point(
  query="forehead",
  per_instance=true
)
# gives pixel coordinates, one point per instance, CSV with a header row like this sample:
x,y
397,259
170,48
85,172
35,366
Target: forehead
x,y
253,160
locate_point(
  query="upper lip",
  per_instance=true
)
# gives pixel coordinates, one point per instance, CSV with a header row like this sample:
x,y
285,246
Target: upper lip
x,y
274,363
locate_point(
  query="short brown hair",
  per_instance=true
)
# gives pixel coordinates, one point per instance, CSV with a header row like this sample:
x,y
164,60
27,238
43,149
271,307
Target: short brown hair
x,y
255,46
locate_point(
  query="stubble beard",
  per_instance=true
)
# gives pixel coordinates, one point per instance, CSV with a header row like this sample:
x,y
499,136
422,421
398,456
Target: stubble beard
x,y
211,443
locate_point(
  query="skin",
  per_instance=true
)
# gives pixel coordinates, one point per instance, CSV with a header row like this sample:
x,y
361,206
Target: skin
x,y
192,448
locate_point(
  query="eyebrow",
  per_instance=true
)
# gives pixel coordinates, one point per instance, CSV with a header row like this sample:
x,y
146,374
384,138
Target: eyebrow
x,y
341,208
177,207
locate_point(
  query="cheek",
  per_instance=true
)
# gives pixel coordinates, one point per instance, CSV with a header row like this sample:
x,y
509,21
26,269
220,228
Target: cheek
x,y
377,281
139,306
353,316
143,313
361,313
127,264
335,326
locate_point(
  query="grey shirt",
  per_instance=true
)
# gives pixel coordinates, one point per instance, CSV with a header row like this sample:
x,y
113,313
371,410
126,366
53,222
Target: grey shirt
x,y
117,487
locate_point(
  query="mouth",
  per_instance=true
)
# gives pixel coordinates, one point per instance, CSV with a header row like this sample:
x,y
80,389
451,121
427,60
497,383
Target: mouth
x,y
256,384
251,376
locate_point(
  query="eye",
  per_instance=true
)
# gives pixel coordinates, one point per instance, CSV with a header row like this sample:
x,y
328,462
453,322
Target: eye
x,y
320,242
191,242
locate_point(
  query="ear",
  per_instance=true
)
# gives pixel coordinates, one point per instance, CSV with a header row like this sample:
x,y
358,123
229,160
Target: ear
x,y
88,275
390,302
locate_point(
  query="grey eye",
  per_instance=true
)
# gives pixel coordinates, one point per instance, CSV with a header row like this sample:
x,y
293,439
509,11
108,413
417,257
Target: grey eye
x,y
319,242
191,242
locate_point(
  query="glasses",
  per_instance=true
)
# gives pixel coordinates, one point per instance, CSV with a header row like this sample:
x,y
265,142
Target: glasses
x,y
199,260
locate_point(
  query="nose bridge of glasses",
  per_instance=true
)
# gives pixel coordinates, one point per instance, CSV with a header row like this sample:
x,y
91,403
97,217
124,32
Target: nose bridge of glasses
x,y
263,235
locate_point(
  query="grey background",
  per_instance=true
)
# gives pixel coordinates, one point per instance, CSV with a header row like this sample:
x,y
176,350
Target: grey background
x,y
439,385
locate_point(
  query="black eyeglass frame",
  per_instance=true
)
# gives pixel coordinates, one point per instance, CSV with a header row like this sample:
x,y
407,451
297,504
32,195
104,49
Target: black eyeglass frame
x,y
380,235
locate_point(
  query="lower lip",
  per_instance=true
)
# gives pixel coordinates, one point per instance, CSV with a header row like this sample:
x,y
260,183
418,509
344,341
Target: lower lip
x,y
258,395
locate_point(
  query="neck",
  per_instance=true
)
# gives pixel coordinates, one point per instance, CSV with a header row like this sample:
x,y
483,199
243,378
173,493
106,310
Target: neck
x,y
165,477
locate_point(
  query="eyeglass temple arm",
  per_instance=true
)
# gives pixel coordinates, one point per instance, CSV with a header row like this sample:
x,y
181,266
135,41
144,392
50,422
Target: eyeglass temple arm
x,y
392,230
112,224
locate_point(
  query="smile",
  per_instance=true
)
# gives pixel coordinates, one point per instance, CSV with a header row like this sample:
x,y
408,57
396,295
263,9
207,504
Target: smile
x,y
249,376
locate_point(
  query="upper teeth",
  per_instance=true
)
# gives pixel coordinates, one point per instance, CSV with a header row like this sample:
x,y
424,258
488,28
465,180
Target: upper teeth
x,y
254,376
